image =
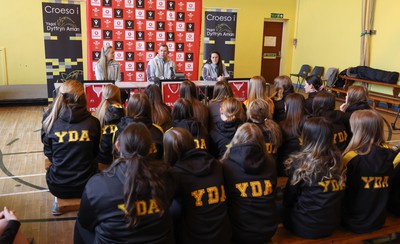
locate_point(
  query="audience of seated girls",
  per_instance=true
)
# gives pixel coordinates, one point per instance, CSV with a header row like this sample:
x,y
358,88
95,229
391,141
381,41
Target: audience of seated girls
x,y
291,128
315,187
258,88
161,113
182,117
283,87
312,87
250,183
71,136
109,113
200,202
369,162
132,199
258,113
129,202
139,110
188,90
224,130
324,106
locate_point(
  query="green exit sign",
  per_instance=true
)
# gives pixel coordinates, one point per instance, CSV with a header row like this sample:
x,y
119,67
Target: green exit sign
x,y
276,16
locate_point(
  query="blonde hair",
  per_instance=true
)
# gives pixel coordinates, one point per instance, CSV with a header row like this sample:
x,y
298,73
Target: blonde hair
x,y
110,95
70,92
247,133
258,89
102,63
318,156
231,108
356,94
283,85
258,112
368,129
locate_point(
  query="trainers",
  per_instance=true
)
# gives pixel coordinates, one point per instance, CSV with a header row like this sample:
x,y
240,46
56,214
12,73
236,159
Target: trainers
x,y
55,210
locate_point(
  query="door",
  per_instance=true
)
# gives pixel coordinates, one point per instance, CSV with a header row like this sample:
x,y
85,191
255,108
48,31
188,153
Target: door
x,y
271,50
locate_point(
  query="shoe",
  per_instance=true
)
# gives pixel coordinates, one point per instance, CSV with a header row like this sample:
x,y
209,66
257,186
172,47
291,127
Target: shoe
x,y
55,210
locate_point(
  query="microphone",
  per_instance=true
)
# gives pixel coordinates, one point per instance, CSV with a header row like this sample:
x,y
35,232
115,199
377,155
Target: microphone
x,y
172,72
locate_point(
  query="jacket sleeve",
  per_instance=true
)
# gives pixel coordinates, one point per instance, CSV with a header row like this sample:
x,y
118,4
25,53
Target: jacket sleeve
x,y
98,72
207,74
226,74
87,216
96,138
47,145
118,79
8,236
150,71
291,193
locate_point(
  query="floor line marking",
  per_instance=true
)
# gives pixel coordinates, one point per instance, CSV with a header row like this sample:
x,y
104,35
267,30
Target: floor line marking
x,y
20,176
47,220
11,142
8,173
8,154
23,192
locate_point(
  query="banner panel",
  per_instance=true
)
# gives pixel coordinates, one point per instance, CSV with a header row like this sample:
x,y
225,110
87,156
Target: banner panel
x,y
220,35
63,43
136,28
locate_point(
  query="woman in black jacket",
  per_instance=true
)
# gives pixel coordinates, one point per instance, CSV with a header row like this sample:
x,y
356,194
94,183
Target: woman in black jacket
x,y
129,202
250,183
315,187
182,117
200,195
70,135
109,112
139,110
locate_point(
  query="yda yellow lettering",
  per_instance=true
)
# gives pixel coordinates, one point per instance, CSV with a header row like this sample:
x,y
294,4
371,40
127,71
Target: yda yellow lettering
x,y
73,136
378,182
213,195
198,194
242,188
141,208
60,135
256,188
334,185
109,129
200,144
271,149
341,136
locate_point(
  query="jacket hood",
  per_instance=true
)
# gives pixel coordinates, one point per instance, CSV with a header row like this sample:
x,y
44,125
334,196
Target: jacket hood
x,y
358,106
249,157
334,116
196,162
193,126
73,113
125,121
114,113
228,129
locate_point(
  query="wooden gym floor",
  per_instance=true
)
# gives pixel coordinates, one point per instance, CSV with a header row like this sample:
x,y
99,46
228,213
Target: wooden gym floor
x,y
22,176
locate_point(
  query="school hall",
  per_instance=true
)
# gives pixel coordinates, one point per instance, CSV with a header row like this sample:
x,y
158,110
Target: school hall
x,y
318,33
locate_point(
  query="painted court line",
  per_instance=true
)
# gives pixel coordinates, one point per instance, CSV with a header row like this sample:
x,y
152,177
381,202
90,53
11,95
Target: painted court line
x,y
20,176
47,220
24,192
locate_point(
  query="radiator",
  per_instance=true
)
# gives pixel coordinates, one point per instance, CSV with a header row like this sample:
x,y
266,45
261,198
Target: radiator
x,y
3,67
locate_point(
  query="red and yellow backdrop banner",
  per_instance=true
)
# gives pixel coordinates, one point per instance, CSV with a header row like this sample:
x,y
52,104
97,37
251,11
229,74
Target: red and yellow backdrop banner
x,y
136,28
